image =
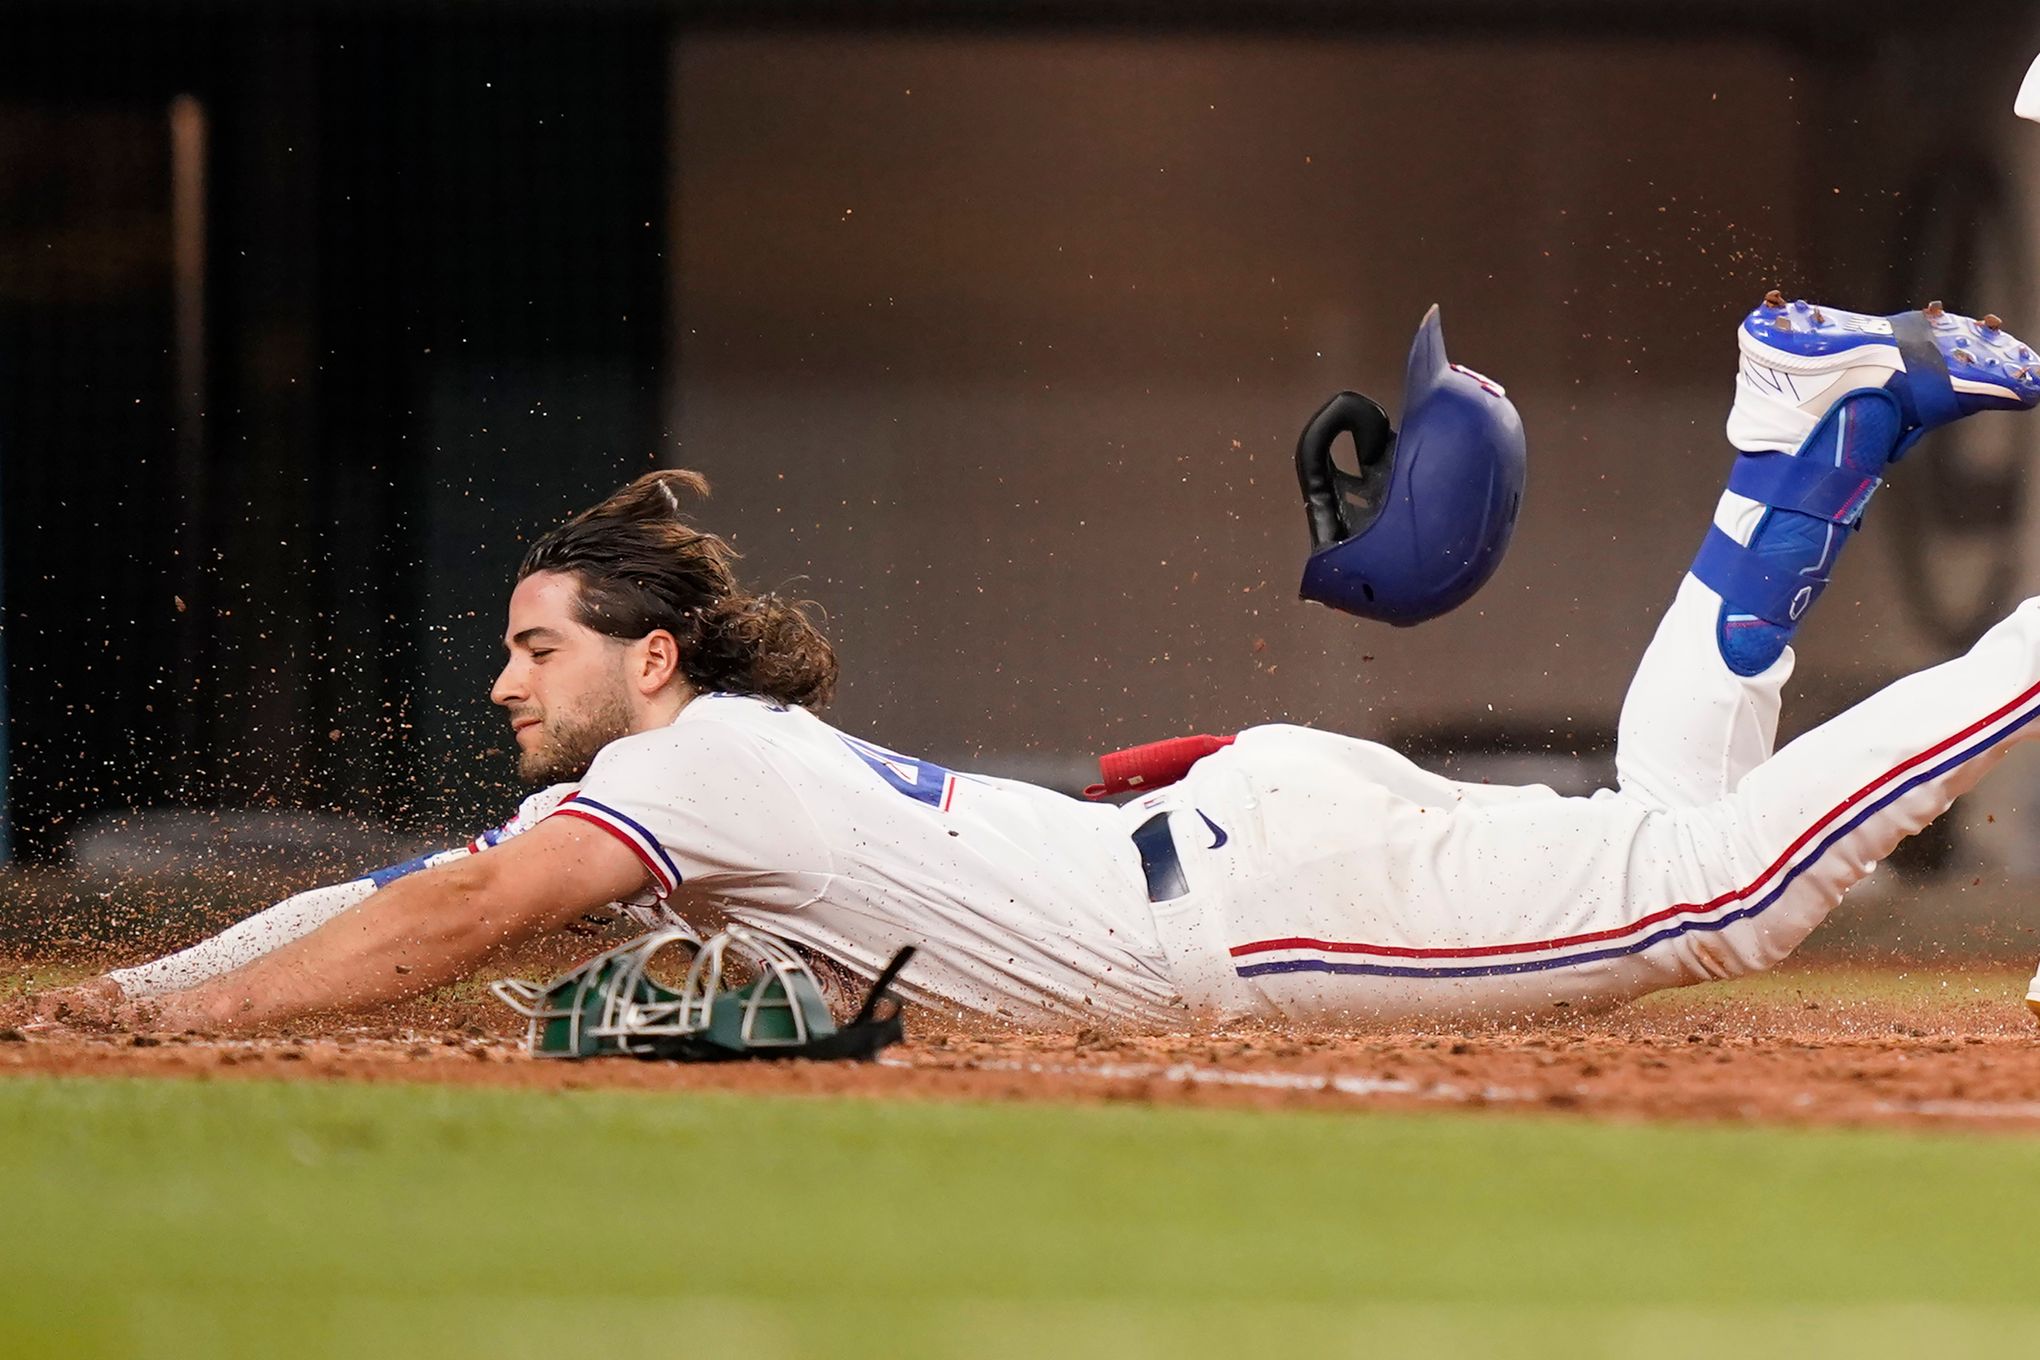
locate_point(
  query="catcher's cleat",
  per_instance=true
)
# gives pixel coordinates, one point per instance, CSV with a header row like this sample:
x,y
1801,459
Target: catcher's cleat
x,y
1799,359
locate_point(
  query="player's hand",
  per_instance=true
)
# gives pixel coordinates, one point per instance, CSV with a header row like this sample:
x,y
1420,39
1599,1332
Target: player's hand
x,y
93,1004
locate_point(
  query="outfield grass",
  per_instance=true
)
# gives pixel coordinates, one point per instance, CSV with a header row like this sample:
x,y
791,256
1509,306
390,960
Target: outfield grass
x,y
165,1218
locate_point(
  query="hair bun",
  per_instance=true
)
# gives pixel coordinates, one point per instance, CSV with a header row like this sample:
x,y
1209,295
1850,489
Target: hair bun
x,y
658,495
642,566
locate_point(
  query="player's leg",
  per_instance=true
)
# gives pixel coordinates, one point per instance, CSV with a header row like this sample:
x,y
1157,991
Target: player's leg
x,y
1340,900
1825,400
1820,815
1691,727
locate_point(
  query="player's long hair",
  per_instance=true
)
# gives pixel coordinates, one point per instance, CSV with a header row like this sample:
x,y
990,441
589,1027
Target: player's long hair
x,y
643,567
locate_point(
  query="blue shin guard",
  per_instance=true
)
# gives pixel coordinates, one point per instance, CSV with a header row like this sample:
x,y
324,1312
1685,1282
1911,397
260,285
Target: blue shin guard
x,y
1813,501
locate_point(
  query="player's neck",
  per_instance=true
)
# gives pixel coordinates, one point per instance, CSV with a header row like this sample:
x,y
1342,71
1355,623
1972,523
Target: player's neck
x,y
660,710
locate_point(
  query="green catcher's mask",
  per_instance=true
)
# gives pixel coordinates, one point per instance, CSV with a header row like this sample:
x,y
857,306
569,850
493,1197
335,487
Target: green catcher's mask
x,y
612,1005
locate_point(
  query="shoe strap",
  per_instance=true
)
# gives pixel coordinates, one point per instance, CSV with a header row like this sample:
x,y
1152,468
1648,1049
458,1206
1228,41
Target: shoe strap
x,y
1926,390
1786,482
1775,591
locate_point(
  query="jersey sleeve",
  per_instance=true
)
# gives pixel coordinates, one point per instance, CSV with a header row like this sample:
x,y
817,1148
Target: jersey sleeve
x,y
698,804
530,813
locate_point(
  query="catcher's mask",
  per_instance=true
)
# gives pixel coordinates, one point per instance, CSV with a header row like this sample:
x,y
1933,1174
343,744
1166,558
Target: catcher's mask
x,y
613,1005
1425,522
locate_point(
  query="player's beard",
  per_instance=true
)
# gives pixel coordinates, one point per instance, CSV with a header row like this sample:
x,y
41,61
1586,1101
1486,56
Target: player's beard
x,y
570,740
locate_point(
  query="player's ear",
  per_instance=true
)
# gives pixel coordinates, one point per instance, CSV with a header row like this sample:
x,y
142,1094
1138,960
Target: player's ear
x,y
659,660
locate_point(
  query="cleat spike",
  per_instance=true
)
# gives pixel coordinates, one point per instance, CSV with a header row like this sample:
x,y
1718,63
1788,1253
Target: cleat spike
x,y
1783,323
1990,322
1774,298
1818,319
1934,308
1964,355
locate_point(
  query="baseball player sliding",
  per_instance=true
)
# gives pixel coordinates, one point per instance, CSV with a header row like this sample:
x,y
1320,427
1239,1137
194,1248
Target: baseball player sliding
x,y
1298,874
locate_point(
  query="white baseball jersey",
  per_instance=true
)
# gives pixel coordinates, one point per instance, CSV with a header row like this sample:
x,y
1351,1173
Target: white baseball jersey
x,y
1021,901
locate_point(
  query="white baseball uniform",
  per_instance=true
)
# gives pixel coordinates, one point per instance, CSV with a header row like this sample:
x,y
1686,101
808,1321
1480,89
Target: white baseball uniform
x,y
1299,873
1322,877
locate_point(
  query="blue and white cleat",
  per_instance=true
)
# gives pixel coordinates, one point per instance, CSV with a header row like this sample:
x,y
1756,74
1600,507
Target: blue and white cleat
x,y
1799,359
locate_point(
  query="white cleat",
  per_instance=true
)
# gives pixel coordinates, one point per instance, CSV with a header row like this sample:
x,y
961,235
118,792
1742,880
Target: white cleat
x,y
1800,358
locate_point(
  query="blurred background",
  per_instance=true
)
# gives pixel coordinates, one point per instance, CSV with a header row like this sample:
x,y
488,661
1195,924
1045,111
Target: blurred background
x,y
992,325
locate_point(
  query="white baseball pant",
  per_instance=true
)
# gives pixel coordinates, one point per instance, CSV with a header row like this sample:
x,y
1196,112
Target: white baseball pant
x,y
1331,879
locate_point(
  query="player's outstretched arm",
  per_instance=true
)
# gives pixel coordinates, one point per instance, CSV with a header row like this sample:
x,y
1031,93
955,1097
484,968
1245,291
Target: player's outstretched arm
x,y
96,1001
418,933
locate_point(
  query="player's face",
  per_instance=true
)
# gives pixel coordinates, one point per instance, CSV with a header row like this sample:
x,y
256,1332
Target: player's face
x,y
564,684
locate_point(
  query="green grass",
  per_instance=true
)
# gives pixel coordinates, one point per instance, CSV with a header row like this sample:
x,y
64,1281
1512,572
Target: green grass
x,y
1917,984
161,1218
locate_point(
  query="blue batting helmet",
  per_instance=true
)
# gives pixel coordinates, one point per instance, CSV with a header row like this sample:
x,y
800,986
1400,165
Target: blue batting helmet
x,y
1426,521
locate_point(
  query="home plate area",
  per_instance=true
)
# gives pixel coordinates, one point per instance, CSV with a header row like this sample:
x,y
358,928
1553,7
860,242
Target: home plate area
x,y
1932,1045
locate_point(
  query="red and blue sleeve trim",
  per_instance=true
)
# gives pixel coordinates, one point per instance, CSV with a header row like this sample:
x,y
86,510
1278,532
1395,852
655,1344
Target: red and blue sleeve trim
x,y
383,877
665,874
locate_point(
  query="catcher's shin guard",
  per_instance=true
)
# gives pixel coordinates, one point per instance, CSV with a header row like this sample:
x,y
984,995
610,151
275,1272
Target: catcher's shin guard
x,y
1784,521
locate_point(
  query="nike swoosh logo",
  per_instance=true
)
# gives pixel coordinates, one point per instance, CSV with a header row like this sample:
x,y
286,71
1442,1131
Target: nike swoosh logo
x,y
1218,833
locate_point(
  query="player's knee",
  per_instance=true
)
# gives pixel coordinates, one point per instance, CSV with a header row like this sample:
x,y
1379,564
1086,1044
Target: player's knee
x,y
1738,953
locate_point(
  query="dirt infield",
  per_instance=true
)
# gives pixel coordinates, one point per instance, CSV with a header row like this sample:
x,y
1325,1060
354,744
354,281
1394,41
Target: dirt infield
x,y
1931,1047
